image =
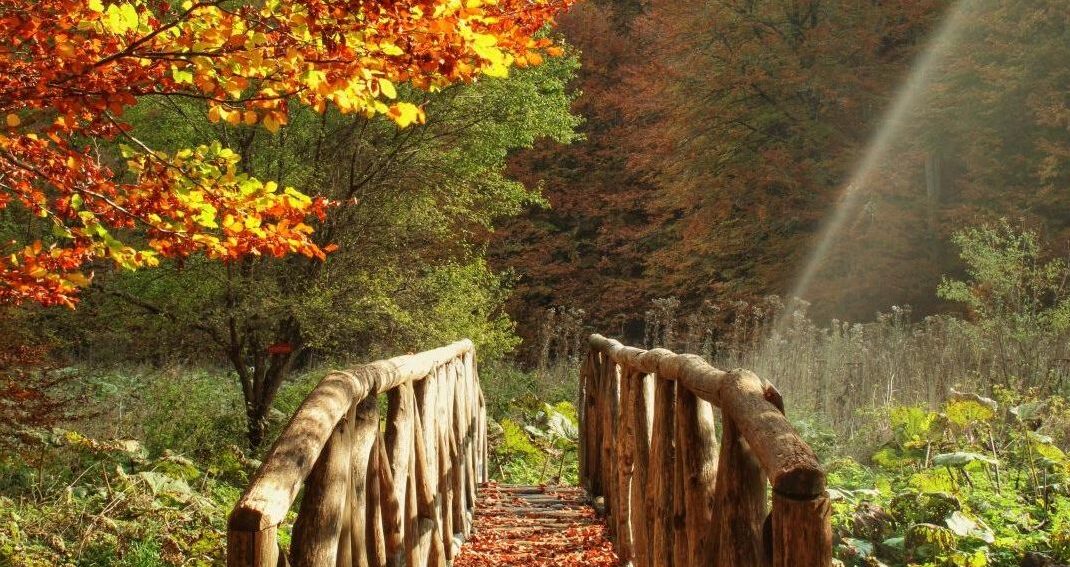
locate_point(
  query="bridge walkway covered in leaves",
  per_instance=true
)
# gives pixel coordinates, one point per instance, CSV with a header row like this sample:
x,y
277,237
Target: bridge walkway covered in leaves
x,y
386,464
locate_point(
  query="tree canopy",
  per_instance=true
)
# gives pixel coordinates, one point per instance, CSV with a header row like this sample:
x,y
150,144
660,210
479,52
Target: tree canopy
x,y
70,71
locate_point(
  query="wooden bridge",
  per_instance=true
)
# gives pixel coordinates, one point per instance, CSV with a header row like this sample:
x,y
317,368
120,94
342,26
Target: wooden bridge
x,y
410,488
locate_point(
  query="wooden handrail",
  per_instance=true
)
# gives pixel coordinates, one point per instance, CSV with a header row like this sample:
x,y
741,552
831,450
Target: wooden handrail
x,y
673,496
372,497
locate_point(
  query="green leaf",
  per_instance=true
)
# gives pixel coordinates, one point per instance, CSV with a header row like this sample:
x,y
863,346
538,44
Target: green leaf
x,y
1028,410
965,526
968,412
860,547
181,76
961,459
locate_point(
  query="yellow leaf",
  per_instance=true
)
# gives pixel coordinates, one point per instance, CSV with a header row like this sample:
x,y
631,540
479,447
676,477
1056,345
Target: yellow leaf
x,y
388,89
129,14
214,114
96,5
66,49
119,19
498,61
485,40
390,49
405,113
181,76
79,279
13,120
271,124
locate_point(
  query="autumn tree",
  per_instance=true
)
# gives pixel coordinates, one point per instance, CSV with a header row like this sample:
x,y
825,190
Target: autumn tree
x,y
88,174
411,206
584,247
69,70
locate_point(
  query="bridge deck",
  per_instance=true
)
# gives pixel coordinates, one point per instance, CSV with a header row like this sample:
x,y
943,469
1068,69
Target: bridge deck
x,y
534,526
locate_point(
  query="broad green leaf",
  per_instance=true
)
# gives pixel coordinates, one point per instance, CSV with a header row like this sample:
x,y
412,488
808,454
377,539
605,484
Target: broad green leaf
x,y
961,459
968,412
965,526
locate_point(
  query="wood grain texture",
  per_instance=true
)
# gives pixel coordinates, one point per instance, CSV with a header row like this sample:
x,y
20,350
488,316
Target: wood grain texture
x,y
319,523
675,497
290,460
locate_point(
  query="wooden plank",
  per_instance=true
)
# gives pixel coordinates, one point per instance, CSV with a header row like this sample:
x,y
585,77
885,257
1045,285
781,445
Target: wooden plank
x,y
660,495
318,527
625,449
802,533
642,427
253,548
697,443
739,501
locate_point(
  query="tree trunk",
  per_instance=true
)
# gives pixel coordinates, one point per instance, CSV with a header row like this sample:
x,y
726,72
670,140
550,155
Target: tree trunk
x,y
262,368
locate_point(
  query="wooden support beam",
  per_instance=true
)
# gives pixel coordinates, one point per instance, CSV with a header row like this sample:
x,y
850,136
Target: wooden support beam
x,y
660,495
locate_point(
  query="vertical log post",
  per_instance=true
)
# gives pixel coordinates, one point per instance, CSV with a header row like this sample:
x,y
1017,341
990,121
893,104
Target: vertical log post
x,y
660,496
319,523
611,398
427,470
802,533
253,548
591,427
697,446
679,502
365,432
399,446
375,538
738,501
625,450
642,427
445,470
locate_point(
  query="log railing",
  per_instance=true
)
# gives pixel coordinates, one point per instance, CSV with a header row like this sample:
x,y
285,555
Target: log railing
x,y
399,493
673,496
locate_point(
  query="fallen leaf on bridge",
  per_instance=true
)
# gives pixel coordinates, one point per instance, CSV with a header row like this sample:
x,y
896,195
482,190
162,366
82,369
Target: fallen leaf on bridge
x,y
536,526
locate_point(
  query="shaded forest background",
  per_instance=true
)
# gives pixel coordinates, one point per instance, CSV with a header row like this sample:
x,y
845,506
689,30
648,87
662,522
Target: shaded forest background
x,y
719,135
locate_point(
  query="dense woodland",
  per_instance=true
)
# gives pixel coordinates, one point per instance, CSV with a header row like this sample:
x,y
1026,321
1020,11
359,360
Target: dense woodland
x,y
205,207
719,136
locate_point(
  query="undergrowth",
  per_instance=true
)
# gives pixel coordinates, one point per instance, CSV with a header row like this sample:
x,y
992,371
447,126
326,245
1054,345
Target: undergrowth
x,y
981,482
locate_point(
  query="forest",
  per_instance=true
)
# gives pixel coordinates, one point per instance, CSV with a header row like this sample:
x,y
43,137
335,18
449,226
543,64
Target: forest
x,y
207,208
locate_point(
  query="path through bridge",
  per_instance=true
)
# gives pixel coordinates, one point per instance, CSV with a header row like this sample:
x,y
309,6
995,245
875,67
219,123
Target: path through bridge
x,y
387,465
